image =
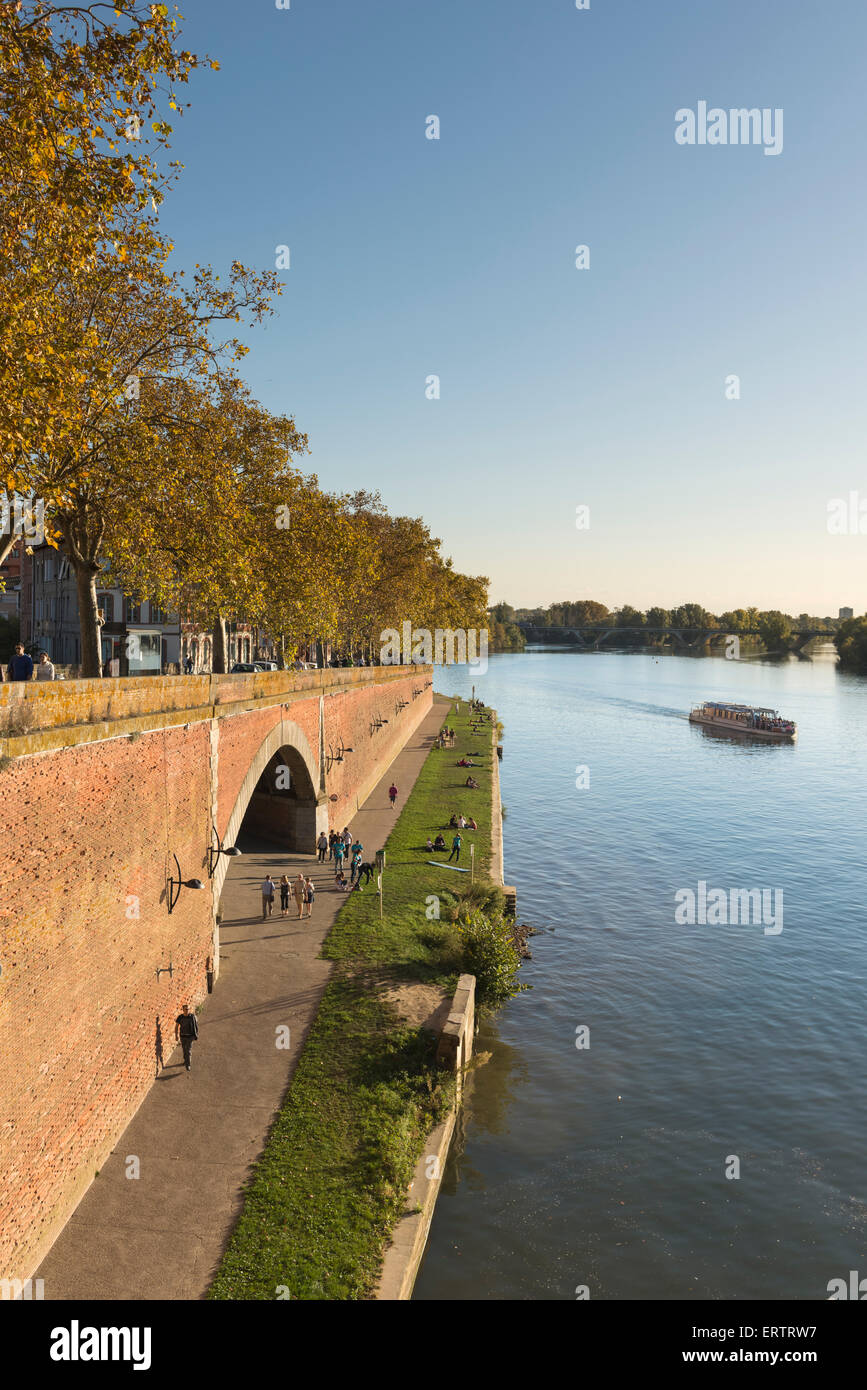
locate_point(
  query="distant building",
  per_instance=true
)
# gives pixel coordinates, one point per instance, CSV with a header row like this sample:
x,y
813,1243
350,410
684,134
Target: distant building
x,y
846,613
10,590
137,639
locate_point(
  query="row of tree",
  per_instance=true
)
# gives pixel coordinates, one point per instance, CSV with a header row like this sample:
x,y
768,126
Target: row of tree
x,y
776,630
122,409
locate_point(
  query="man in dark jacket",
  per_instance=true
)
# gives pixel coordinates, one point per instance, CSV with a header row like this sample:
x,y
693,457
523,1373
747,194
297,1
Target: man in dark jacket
x,y
21,665
187,1029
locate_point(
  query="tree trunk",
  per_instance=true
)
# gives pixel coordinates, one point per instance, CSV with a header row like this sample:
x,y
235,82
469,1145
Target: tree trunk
x,y
6,544
219,648
88,618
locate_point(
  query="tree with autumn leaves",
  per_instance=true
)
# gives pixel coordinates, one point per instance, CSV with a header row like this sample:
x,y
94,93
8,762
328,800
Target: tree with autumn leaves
x,y
121,407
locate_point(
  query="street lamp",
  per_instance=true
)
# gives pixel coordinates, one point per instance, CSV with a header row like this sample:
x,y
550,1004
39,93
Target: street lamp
x,y
176,884
214,854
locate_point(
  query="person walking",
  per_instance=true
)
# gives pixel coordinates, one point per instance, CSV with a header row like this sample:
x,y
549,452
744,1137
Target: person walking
x,y
338,854
298,893
309,895
356,866
284,896
392,793
267,897
332,841
322,846
347,842
20,665
186,1032
456,849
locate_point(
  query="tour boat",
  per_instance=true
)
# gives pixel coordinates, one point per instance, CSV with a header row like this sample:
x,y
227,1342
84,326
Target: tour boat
x,y
745,719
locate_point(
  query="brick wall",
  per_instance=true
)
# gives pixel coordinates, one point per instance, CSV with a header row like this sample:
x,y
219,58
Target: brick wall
x,y
91,820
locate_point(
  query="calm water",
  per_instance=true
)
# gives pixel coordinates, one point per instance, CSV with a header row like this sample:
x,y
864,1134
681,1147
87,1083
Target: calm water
x,y
606,1167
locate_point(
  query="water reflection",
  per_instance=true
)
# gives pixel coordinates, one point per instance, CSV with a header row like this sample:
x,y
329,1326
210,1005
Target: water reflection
x,y
498,1071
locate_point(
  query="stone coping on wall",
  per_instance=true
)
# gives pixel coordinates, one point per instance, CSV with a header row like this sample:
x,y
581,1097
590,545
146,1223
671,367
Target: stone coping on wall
x,y
41,716
403,1257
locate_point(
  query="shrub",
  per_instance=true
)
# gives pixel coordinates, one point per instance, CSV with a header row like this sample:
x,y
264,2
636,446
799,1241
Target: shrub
x,y
20,719
484,897
491,955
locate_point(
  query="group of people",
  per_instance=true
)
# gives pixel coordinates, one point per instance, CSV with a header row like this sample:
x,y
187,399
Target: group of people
x,y
457,823
302,889
471,781
440,844
21,667
445,738
340,848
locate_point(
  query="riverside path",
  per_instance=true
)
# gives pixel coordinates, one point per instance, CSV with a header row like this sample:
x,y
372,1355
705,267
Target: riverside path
x,y
193,1141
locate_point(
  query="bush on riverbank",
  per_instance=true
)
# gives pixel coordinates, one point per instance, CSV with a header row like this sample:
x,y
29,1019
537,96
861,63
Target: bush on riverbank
x,y
490,953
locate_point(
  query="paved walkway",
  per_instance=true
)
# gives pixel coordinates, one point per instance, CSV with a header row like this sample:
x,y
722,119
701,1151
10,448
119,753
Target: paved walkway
x,y
198,1133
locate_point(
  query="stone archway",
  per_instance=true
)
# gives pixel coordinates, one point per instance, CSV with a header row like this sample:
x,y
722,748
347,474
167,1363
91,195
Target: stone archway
x,y
285,746
295,822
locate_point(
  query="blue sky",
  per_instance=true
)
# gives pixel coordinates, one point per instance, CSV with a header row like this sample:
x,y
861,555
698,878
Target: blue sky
x,y
603,387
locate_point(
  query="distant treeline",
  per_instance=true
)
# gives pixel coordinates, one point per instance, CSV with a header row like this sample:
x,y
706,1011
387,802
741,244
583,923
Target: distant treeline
x,y
851,643
776,631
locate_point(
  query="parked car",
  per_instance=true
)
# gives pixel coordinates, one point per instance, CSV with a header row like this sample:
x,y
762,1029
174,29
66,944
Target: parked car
x,y
243,666
266,666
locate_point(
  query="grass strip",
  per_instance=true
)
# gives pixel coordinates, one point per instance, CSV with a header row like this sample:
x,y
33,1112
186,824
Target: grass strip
x,y
331,1181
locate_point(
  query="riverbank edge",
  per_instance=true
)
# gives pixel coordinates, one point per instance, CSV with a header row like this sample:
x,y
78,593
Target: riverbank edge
x,y
404,1255
271,1213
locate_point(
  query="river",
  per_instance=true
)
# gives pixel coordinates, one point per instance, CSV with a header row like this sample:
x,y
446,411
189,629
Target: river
x,y
712,1049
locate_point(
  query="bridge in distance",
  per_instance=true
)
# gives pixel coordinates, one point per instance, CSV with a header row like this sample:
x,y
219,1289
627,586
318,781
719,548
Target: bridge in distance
x,y
593,635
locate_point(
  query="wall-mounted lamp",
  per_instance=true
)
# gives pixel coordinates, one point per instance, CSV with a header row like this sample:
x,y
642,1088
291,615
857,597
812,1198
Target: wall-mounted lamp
x,y
176,884
215,852
336,755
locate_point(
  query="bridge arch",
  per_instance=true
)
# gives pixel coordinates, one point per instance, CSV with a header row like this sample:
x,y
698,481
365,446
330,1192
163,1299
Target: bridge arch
x,y
290,815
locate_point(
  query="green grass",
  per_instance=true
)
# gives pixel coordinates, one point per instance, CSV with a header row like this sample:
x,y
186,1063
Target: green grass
x,y
409,939
332,1180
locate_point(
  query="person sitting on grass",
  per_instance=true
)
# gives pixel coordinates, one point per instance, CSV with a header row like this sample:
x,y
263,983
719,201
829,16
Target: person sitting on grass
x,y
439,842
472,783
454,821
471,824
429,846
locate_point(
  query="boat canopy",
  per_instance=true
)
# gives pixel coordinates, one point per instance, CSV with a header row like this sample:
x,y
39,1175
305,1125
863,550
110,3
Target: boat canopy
x,y
747,709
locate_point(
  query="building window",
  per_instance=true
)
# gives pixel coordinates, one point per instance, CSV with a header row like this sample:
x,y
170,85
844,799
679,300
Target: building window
x,y
144,654
106,603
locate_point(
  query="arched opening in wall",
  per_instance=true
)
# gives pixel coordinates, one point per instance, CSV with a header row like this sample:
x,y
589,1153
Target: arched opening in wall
x,y
282,808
